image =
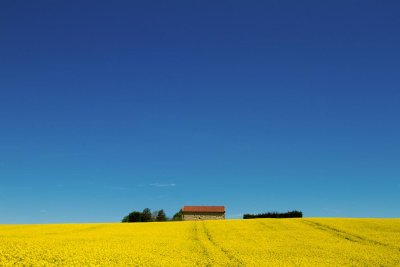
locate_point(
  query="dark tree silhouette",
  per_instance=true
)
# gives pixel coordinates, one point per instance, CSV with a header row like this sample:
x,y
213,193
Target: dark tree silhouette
x,y
289,214
146,215
161,217
135,216
177,216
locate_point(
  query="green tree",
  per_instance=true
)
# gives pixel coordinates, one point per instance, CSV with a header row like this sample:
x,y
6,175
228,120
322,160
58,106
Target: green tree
x,y
135,216
125,219
146,215
177,216
161,216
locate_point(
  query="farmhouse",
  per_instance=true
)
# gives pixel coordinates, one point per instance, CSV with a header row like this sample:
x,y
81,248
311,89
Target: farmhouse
x,y
197,213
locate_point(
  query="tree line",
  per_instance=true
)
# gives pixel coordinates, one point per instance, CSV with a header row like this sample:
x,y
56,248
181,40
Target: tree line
x,y
148,216
289,214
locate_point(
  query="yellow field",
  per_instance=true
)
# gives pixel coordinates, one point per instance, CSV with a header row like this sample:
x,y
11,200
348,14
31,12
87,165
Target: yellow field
x,y
260,242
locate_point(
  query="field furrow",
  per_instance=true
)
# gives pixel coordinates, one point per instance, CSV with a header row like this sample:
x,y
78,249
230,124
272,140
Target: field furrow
x,y
346,235
233,260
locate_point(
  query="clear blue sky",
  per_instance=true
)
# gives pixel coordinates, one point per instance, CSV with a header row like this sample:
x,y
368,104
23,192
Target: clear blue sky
x,y
112,106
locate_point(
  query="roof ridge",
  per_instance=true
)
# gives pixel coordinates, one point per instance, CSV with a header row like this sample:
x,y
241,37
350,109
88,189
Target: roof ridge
x,y
203,209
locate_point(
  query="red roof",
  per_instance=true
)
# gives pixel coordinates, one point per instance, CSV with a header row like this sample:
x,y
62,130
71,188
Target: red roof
x,y
203,209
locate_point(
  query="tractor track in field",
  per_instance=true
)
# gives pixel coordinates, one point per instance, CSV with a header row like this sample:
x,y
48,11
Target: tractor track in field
x,y
201,245
346,235
228,254
203,237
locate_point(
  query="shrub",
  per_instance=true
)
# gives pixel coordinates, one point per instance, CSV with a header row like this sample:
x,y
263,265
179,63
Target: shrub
x,y
289,214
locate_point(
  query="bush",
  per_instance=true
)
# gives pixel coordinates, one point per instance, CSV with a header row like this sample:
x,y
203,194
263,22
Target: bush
x,y
289,214
135,216
145,216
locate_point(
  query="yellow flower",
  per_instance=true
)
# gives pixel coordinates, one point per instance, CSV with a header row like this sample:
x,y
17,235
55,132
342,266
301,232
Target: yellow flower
x,y
258,242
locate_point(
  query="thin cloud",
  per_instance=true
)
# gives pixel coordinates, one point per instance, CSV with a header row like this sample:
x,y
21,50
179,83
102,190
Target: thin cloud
x,y
162,185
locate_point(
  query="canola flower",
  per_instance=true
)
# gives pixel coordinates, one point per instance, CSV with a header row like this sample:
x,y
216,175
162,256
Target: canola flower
x,y
258,242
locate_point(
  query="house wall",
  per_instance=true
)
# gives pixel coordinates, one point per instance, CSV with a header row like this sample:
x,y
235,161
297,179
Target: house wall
x,y
199,216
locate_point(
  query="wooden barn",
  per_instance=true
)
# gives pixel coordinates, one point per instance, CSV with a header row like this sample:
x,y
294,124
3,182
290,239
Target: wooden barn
x,y
198,213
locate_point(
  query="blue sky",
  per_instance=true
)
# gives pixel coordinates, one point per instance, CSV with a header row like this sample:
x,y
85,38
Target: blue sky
x,y
112,106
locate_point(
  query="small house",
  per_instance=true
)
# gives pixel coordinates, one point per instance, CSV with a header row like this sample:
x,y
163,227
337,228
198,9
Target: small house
x,y
198,213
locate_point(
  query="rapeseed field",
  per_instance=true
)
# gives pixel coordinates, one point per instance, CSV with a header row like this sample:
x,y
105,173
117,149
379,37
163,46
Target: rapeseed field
x,y
258,242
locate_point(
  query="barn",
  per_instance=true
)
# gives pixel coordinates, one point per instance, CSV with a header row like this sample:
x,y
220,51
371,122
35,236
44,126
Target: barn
x,y
198,213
